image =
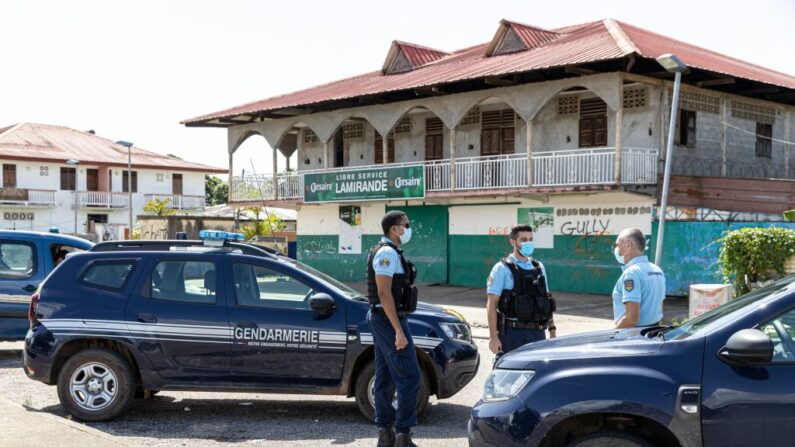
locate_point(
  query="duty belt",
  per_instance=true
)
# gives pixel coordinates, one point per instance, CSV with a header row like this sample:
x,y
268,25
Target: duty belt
x,y
516,324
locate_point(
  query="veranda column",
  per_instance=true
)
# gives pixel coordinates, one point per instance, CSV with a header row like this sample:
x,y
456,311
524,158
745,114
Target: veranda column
x,y
275,180
452,159
529,139
619,125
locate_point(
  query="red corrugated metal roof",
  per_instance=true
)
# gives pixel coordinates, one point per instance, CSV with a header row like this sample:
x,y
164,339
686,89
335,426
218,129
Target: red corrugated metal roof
x,y
532,36
418,55
590,42
45,142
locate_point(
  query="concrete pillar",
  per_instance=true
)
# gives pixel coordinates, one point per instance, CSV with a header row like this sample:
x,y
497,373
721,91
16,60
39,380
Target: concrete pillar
x,y
275,180
529,139
230,184
385,149
788,147
664,108
619,125
724,137
325,154
452,159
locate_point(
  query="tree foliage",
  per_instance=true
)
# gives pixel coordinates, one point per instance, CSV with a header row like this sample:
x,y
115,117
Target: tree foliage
x,y
262,227
159,207
216,191
755,254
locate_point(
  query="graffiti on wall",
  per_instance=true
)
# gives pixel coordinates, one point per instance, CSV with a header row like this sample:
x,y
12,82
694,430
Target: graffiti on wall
x,y
601,221
543,222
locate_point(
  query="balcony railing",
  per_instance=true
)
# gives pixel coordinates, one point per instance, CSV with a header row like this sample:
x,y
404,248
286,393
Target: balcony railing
x,y
554,168
179,202
28,197
96,199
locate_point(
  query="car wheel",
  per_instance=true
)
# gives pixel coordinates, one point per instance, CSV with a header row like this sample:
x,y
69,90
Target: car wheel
x,y
610,439
365,384
96,385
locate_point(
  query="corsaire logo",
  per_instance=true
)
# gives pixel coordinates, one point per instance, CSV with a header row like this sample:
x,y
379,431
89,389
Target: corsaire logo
x,y
277,338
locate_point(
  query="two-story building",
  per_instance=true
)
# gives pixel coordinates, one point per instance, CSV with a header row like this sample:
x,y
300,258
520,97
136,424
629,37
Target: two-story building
x,y
77,182
564,129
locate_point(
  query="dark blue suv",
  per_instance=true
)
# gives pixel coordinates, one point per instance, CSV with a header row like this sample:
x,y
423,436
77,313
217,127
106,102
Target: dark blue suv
x,y
133,318
26,258
726,378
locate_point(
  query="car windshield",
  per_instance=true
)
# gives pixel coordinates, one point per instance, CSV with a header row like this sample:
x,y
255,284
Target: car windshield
x,y
722,314
341,287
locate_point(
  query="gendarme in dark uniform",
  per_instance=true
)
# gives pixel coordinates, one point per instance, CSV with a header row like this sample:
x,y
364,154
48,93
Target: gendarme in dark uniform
x,y
520,308
389,289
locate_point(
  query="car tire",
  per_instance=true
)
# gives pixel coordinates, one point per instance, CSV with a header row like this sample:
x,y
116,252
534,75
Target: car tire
x,y
610,439
363,381
96,385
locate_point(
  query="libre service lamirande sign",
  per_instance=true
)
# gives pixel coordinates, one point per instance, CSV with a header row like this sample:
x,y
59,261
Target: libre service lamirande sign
x,y
399,182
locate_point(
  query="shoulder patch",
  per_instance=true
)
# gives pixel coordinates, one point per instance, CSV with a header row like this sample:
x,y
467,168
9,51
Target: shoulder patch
x,y
384,262
490,281
629,285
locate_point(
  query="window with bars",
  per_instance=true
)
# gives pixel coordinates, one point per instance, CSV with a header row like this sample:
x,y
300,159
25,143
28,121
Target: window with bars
x,y
403,126
353,131
434,137
764,140
568,105
634,98
309,136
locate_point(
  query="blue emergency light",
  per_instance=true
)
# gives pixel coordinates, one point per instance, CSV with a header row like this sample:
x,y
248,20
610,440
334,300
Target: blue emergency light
x,y
216,238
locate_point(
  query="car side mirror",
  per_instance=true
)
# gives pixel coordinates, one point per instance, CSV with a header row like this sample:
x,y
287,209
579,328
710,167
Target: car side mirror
x,y
747,347
323,304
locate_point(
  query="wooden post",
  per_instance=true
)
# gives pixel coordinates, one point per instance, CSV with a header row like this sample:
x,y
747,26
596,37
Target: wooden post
x,y
619,125
452,159
529,140
275,180
724,138
787,146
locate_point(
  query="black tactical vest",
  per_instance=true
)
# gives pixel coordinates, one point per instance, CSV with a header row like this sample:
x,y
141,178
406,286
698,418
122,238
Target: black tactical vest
x,y
403,292
529,300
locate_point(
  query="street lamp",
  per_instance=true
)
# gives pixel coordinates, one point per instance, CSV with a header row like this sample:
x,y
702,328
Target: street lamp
x,y
73,162
672,64
128,145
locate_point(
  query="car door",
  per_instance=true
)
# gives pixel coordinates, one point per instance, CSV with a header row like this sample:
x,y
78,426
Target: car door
x,y
178,317
21,272
752,405
278,338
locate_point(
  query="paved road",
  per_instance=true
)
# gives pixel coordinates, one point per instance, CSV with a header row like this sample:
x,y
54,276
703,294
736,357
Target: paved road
x,y
173,419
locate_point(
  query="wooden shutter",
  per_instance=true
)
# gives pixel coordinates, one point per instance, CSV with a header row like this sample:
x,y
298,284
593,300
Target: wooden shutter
x,y
593,123
68,179
9,176
92,179
379,149
434,149
176,183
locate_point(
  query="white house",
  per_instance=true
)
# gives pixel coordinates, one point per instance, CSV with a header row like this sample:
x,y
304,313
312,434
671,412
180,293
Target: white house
x,y
49,170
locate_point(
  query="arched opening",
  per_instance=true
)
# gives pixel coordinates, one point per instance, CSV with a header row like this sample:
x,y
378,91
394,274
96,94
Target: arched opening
x,y
490,147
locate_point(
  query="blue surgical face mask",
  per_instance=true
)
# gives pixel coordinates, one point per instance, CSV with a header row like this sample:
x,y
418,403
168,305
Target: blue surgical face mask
x,y
527,248
619,258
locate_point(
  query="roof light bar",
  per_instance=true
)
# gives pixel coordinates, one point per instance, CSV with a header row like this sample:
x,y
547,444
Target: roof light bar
x,y
213,238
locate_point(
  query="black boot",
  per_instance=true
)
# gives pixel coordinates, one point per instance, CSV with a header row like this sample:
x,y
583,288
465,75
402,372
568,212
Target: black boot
x,y
404,440
386,437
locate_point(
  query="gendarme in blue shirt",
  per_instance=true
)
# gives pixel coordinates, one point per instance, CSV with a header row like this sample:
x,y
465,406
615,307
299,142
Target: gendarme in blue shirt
x,y
641,282
501,278
386,261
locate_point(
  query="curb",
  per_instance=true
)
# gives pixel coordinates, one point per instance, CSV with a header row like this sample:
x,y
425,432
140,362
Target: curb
x,y
71,424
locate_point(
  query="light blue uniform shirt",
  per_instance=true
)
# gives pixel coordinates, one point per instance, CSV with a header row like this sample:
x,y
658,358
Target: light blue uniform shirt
x,y
501,278
641,282
386,261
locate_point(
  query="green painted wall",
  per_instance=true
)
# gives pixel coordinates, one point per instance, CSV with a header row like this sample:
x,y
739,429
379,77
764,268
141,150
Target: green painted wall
x,y
429,244
322,253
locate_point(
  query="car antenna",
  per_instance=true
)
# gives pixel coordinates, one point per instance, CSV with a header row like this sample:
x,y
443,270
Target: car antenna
x,y
262,198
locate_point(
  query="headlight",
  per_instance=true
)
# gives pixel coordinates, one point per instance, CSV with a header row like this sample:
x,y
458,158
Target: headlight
x,y
457,331
504,384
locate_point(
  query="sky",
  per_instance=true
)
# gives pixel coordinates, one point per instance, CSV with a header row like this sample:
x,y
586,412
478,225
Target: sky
x,y
133,70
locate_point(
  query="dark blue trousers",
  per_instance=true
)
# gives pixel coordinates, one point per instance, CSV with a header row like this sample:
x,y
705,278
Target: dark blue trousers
x,y
394,370
513,338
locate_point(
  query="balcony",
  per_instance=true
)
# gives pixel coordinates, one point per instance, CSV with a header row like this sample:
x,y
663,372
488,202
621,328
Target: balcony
x,y
179,202
38,198
97,199
565,168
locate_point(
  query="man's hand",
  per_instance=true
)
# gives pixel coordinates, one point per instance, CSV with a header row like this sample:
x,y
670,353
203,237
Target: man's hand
x,y
553,333
400,341
494,345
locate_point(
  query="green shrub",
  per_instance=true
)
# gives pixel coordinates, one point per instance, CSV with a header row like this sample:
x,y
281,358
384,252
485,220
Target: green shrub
x,y
755,254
